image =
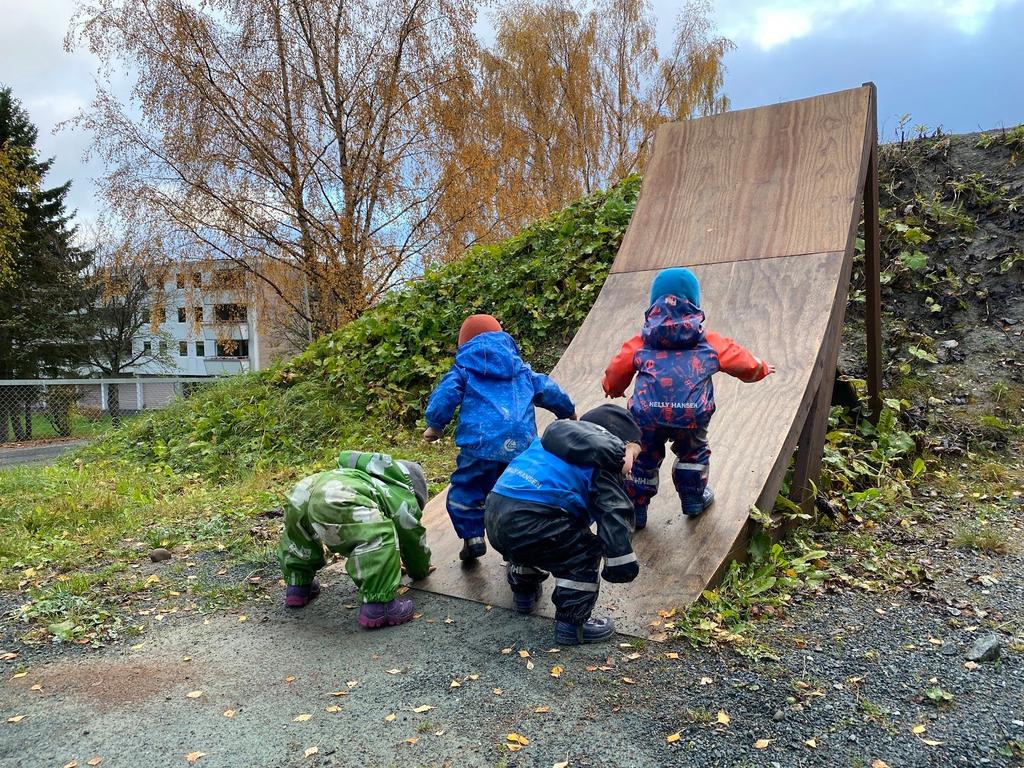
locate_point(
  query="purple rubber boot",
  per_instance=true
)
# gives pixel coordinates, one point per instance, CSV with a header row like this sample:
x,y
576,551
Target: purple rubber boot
x,y
398,611
297,596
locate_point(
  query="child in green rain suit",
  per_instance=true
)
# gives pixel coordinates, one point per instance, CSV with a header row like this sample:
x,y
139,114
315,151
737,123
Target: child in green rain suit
x,y
369,511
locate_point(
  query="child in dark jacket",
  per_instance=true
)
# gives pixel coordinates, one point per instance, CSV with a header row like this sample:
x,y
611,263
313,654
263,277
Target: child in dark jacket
x,y
541,509
674,359
497,392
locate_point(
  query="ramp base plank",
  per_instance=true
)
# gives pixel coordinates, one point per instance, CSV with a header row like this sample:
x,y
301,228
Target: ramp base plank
x,y
780,309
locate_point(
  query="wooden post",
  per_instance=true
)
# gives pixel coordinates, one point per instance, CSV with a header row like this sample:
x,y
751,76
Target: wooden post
x,y
872,264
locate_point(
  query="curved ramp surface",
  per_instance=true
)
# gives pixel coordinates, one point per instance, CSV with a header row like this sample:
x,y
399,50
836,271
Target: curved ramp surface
x,y
763,205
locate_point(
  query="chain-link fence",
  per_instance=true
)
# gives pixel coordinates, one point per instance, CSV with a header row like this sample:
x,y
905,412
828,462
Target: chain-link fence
x,y
49,409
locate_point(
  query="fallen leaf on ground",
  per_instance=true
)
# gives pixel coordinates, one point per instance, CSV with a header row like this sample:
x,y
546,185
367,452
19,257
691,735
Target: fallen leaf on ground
x,y
563,764
301,718
633,656
557,671
918,729
72,764
243,617
390,718
193,694
506,651
723,718
352,683
811,743
333,708
449,620
879,764
229,713
497,691
310,751
672,738
554,650
16,675
706,681
671,655
439,733
94,761
971,665
16,718
932,742
338,693
761,743
517,738
629,681
529,663
542,710
394,671
191,757
472,677
36,687
524,654
455,684
422,708
512,747
411,740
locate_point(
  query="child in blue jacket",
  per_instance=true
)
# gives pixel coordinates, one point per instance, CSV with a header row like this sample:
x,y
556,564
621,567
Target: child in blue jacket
x,y
497,392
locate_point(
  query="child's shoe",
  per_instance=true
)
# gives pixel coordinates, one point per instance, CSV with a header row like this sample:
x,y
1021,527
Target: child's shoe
x,y
640,518
300,595
398,611
472,549
691,509
525,602
590,631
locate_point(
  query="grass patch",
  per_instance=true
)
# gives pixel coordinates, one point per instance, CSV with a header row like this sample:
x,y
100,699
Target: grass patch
x,y
980,537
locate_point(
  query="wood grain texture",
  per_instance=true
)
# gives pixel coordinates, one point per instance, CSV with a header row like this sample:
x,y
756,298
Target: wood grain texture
x,y
782,310
752,184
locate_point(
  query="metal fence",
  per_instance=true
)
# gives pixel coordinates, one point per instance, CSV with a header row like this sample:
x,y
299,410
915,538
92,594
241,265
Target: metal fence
x,y
56,409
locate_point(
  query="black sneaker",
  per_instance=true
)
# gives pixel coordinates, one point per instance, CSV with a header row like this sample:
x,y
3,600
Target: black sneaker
x,y
590,631
525,602
472,549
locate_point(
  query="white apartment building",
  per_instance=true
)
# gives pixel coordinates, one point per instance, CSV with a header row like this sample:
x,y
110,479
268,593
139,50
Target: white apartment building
x,y
205,324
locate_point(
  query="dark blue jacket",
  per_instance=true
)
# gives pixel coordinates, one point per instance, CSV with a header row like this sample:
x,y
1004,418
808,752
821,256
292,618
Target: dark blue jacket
x,y
542,477
497,392
674,367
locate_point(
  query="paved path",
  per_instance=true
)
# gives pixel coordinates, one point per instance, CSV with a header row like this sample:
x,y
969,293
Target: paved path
x,y
36,454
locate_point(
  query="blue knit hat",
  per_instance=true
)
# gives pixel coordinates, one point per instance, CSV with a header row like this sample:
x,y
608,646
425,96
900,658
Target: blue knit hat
x,y
677,281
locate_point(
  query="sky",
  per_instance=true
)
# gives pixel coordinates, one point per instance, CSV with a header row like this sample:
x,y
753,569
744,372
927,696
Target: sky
x,y
954,64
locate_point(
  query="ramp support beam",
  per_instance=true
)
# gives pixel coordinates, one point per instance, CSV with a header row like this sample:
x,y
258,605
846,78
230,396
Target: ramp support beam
x,y
872,264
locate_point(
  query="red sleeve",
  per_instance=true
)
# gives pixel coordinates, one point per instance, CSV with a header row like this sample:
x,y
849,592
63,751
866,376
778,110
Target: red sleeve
x,y
735,359
619,372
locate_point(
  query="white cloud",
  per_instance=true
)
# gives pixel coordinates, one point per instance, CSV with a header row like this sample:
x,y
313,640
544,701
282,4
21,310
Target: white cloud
x,y
771,23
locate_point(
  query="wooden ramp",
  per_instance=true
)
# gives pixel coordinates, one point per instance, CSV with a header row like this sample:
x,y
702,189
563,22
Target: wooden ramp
x,y
763,205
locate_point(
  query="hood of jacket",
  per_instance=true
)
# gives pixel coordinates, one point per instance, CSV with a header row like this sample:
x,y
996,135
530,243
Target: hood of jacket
x,y
672,323
493,355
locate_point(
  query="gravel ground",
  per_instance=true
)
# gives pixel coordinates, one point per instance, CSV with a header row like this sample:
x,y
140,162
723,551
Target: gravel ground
x,y
851,674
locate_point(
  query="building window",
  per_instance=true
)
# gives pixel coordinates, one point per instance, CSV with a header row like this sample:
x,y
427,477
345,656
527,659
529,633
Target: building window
x,y
179,281
228,278
200,349
233,348
181,314
199,314
163,348
147,347
183,349
197,279
230,313
159,315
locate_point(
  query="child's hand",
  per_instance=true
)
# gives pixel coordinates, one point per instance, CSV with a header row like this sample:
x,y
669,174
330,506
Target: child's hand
x,y
431,435
632,451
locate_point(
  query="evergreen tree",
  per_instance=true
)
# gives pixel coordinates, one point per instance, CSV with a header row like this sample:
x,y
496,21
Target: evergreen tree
x,y
45,298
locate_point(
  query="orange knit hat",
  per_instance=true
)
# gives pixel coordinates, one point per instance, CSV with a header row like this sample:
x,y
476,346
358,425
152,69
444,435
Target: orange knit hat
x,y
474,325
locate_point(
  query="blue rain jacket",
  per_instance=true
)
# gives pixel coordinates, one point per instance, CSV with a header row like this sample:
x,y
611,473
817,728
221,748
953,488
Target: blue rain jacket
x,y
542,477
497,392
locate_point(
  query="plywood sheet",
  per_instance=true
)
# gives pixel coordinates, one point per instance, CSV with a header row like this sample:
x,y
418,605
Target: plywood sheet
x,y
751,184
780,309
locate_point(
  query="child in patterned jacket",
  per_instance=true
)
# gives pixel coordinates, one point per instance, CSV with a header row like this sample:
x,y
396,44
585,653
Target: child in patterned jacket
x,y
674,359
